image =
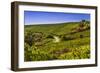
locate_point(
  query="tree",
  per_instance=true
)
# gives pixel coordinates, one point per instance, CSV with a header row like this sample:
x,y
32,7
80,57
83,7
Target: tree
x,y
82,23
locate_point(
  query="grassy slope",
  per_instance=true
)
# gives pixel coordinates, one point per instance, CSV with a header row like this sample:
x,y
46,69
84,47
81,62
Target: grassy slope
x,y
57,28
77,48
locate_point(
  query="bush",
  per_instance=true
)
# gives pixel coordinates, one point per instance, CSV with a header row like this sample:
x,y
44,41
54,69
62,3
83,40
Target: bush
x,y
36,54
67,56
27,52
82,52
68,37
33,37
28,38
49,36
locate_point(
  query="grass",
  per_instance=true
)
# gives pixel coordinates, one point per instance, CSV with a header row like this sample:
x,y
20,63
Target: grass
x,y
71,45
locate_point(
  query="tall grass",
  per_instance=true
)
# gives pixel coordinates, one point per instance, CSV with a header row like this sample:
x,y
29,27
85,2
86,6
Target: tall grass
x,y
71,45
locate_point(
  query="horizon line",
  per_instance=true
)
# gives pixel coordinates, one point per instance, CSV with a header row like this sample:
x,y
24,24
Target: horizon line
x,y
55,23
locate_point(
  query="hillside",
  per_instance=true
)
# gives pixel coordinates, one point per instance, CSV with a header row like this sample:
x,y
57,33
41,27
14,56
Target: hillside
x,y
57,41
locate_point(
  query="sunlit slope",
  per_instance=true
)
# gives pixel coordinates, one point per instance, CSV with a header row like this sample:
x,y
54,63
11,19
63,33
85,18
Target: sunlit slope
x,y
74,42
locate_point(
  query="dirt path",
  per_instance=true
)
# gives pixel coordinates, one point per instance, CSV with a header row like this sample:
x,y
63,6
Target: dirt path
x,y
56,39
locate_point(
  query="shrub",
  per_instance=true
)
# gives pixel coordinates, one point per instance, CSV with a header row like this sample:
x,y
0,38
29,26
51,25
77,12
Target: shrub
x,y
33,37
67,56
82,52
28,38
68,37
27,52
49,36
36,54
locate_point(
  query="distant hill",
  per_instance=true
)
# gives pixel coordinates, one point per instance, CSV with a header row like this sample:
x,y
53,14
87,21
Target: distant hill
x,y
56,23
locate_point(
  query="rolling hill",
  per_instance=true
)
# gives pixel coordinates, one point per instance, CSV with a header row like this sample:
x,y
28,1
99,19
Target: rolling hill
x,y
73,41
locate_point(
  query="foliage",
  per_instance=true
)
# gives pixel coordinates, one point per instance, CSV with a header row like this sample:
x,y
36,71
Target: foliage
x,y
74,43
77,53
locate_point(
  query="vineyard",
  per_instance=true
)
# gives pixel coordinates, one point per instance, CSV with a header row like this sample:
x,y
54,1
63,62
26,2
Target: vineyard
x,y
63,41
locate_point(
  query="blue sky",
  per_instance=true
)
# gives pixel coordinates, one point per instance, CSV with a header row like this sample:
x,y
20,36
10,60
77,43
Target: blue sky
x,y
37,17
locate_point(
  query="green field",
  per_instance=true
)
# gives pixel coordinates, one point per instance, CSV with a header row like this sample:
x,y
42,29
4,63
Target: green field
x,y
63,41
